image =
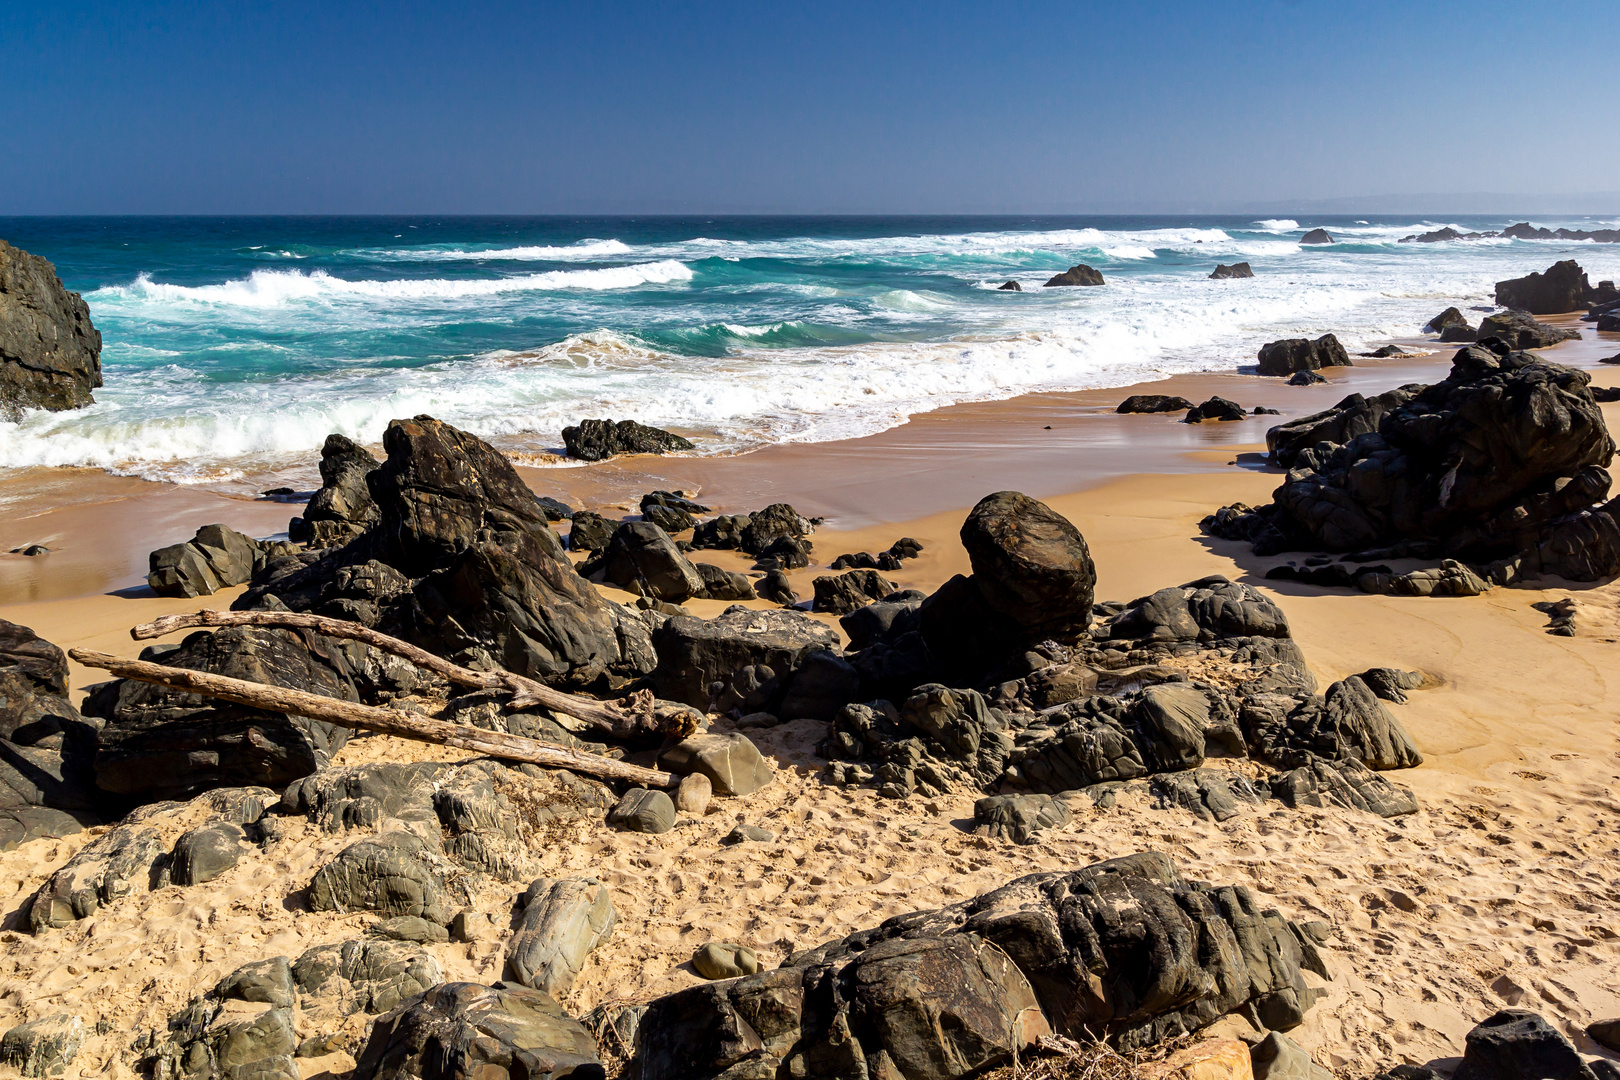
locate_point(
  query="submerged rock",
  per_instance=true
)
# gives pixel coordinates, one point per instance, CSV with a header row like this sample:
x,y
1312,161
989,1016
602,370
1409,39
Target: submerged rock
x,y
1236,270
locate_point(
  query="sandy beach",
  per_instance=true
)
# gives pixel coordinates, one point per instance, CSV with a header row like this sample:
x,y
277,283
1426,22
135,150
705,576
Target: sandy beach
x,y
1501,891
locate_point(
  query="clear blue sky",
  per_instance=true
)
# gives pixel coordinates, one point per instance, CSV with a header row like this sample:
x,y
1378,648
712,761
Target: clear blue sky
x,y
335,107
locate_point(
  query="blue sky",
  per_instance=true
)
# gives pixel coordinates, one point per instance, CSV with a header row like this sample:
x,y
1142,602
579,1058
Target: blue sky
x,y
326,107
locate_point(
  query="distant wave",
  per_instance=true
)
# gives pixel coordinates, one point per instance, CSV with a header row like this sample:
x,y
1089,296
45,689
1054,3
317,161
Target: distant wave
x,y
1277,224
273,288
585,249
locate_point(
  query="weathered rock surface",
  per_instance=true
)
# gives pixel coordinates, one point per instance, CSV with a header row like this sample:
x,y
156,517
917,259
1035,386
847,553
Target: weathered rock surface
x,y
776,588
342,508
843,593
732,763
750,654
464,1031
1305,378
721,960
1078,274
560,922
1236,270
642,559
1521,331
216,558
643,810
1019,818
114,865
392,873
722,584
47,787
43,1047
1516,1043
777,521
589,531
1561,287
1031,565
1302,354
1277,1057
1447,318
1216,408
598,440
1153,403
50,354
205,853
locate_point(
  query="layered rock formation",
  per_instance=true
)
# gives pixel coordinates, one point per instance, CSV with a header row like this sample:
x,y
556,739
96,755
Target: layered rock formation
x,y
50,353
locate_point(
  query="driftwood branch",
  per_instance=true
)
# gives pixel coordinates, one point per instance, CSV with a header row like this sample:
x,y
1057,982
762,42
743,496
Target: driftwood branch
x,y
369,718
628,718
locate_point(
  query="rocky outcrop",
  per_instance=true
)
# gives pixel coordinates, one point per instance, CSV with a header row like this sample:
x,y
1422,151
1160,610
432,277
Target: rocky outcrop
x,y
43,1047
741,658
342,508
598,440
47,786
777,521
1561,287
1519,331
1153,403
1236,270
1078,274
216,558
1125,949
1301,354
843,593
1447,318
50,354
1317,236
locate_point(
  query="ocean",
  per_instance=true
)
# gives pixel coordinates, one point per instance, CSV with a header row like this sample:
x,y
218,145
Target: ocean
x,y
233,346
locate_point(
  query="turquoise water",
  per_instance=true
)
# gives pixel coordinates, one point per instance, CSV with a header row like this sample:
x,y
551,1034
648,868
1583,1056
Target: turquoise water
x,y
234,345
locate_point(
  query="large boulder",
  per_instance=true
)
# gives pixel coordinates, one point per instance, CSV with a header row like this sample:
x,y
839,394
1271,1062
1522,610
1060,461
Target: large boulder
x,y
597,440
393,873
1031,565
114,865
50,354
746,654
1079,274
1289,355
1562,287
216,558
464,1031
1514,1044
1153,403
158,743
560,922
1317,236
642,559
1447,318
1520,331
47,786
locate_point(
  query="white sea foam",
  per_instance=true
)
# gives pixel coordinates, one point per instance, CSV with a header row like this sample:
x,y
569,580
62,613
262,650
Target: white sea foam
x,y
585,249
1278,224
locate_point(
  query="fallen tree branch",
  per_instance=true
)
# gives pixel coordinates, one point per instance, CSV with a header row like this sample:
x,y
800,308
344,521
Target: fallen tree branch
x,y
369,718
628,718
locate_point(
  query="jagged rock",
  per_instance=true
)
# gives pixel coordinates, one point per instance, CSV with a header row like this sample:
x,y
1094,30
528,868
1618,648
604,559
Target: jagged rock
x,y
47,1046
1301,354
1562,287
464,1031
216,558
344,498
776,588
670,510
560,922
773,523
642,559
1434,236
1606,1033
720,960
115,864
598,440
1449,317
1347,783
1450,578
1019,818
50,353
724,532
554,509
1216,408
1521,331
865,560
442,490
588,531
1153,403
732,763
1009,286
1317,236
393,874
1352,416
160,743
1079,274
47,787
1517,1043
1351,722
1031,565
1236,270
1305,378
203,854
721,584
845,592
694,654
642,810
1137,955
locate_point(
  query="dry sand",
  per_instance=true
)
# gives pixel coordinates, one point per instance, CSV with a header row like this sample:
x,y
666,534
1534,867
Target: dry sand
x,y
1502,891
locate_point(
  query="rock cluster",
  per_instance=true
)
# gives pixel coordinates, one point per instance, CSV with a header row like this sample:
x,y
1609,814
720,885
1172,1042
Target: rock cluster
x,y
1500,463
214,559
1561,287
50,354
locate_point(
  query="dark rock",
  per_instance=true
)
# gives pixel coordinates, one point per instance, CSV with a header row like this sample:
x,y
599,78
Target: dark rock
x,y
1261,410
724,532
1606,1033
598,440
1351,722
1031,565
47,787
1305,378
776,588
464,1031
203,854
1434,237
644,810
1211,794
694,654
1019,818
50,354
1520,331
732,763
1079,274
670,510
588,531
719,584
1354,415
560,922
1237,270
1459,333
1009,286
1514,1044
842,594
1386,351
784,553
770,524
1317,236
392,873
1216,408
114,865
906,548
1301,354
1604,395
1449,317
554,509
344,496
824,683
47,1046
642,559
216,558
1153,403
1562,287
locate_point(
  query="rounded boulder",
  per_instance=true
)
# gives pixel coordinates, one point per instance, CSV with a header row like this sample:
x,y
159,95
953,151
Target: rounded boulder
x,y
1031,565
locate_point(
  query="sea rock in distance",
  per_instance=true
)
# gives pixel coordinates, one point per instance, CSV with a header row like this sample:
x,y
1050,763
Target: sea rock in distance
x,y
1078,274
50,353
1009,286
1318,236
1301,354
1153,403
1236,270
598,440
1562,287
